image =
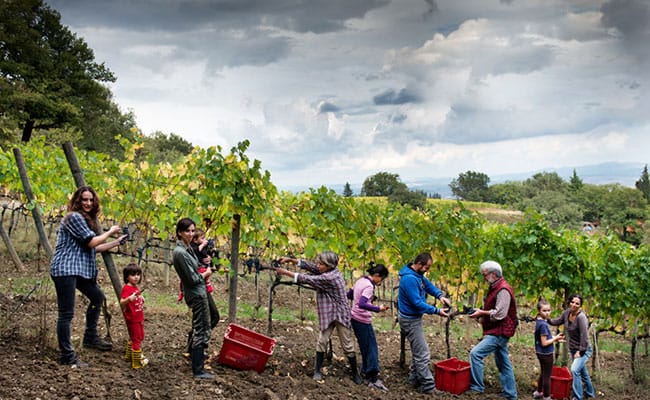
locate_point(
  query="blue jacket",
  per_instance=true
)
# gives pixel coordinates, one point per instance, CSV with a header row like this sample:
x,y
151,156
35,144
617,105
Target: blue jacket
x,y
412,295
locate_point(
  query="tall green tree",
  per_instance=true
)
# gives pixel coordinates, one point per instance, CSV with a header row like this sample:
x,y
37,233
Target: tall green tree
x,y
575,183
471,185
382,184
347,190
165,147
643,184
48,76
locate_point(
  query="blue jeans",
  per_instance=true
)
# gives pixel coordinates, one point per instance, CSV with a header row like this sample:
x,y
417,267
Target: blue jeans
x,y
420,374
65,296
499,346
368,348
581,377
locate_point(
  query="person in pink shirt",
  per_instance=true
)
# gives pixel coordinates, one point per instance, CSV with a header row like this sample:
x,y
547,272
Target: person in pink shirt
x,y
362,295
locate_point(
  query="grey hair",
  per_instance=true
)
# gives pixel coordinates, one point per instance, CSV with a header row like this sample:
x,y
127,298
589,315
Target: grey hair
x,y
329,258
491,266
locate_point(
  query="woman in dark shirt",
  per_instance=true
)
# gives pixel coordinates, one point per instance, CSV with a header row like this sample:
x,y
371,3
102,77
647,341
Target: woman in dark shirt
x,y
195,293
576,327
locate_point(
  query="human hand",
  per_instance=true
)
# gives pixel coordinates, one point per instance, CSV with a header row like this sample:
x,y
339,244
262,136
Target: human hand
x,y
284,260
114,229
446,301
442,312
122,239
383,307
207,273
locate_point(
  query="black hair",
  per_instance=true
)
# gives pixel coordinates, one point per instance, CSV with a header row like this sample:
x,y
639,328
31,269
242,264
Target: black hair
x,y
379,269
182,225
576,295
131,269
422,259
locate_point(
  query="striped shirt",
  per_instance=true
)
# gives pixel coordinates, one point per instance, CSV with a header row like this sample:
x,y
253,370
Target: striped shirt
x,y
72,256
331,296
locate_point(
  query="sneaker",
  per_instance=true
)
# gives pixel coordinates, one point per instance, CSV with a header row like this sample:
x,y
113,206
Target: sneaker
x,y
75,363
378,384
537,395
98,344
433,391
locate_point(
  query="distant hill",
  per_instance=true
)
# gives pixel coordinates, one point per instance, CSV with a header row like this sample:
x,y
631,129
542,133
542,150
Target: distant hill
x,y
598,174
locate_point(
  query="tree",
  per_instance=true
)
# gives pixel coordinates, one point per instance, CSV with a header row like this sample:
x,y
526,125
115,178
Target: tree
x,y
510,193
382,184
347,190
643,184
413,198
48,76
575,183
164,147
471,186
544,181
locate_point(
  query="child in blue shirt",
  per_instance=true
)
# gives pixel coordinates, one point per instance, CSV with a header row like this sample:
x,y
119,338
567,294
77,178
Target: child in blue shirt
x,y
544,340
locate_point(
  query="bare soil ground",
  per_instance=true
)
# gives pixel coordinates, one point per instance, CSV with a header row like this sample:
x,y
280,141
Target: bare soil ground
x,y
30,370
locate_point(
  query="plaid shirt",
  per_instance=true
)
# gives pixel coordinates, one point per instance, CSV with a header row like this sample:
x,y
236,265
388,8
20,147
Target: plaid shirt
x,y
331,296
72,256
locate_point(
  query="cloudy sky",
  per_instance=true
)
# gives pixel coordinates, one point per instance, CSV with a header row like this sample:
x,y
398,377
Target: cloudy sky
x,y
333,91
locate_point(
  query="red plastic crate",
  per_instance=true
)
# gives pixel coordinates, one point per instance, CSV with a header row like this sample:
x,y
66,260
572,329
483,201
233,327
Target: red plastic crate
x,y
452,375
245,349
561,381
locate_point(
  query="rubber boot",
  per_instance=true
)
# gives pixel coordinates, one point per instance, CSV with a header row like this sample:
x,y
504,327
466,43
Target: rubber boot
x,y
320,357
190,335
127,352
198,358
137,360
354,374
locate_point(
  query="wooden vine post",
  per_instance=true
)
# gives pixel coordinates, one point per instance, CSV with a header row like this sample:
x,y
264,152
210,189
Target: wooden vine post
x,y
36,211
79,180
10,247
234,268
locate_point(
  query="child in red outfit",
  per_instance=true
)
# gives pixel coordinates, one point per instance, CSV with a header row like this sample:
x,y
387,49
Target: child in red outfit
x,y
132,305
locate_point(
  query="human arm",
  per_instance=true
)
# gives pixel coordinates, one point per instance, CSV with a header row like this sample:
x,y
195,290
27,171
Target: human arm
x,y
99,242
364,303
126,300
431,289
500,309
559,320
546,338
411,300
583,328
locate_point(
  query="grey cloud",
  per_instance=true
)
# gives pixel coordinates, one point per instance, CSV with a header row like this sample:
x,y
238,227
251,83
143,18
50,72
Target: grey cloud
x,y
391,97
326,107
432,7
316,16
628,16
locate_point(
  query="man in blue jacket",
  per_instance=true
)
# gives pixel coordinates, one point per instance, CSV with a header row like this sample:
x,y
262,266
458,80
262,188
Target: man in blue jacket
x,y
412,304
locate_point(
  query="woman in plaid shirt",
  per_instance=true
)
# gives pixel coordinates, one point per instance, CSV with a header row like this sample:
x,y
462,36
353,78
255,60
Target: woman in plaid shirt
x,y
333,306
74,267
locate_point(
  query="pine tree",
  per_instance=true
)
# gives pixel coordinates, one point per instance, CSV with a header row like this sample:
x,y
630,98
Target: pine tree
x,y
347,190
643,184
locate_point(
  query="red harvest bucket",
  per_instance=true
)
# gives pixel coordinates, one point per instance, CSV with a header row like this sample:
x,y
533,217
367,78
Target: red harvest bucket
x,y
452,375
561,381
245,349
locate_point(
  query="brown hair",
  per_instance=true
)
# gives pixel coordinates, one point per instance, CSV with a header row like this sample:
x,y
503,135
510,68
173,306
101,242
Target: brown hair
x,y
74,205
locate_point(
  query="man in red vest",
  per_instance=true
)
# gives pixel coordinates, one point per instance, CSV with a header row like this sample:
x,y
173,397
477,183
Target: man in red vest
x,y
499,320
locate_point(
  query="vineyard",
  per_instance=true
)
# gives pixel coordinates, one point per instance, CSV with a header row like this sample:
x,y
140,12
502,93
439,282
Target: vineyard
x,y
232,198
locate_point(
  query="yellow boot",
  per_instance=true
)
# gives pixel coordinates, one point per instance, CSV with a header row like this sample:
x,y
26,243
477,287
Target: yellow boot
x,y
129,349
137,360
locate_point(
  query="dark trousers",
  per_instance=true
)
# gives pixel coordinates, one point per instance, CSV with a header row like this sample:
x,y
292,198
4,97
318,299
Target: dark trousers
x,y
546,369
368,347
200,321
65,296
